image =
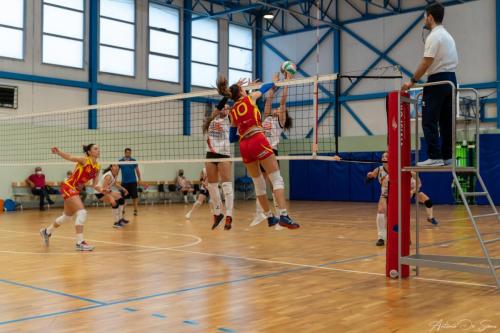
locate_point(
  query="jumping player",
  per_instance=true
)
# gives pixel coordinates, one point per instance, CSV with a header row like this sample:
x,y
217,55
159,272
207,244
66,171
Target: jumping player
x,y
216,128
255,148
86,169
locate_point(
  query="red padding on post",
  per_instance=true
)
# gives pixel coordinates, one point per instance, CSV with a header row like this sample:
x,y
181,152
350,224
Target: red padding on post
x,y
392,203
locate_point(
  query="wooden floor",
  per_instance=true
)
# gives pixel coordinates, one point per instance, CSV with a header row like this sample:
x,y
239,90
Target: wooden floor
x,y
164,274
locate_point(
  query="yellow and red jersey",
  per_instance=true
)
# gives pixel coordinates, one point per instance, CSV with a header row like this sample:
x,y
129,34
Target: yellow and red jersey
x,y
245,114
82,174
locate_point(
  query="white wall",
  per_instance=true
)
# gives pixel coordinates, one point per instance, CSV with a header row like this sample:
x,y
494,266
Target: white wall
x,y
472,25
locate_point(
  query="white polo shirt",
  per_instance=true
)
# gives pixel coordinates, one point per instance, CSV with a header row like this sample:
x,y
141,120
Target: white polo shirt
x,y
441,46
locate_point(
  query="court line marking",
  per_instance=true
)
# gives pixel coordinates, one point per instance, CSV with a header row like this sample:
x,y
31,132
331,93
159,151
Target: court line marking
x,y
54,292
146,248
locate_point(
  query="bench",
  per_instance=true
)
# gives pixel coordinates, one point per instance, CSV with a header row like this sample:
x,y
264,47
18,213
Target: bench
x,y
22,195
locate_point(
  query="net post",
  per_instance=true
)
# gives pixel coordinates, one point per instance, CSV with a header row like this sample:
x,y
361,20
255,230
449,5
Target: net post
x,y
398,206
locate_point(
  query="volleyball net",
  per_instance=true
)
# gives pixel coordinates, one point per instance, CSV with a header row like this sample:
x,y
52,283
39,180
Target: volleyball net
x,y
165,129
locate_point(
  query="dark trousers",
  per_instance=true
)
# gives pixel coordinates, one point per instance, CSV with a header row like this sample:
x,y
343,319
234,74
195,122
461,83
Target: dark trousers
x,y
43,193
437,116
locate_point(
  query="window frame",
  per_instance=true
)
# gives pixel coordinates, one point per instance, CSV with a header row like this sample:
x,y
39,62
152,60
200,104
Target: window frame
x,y
23,29
229,45
205,63
99,44
149,52
83,40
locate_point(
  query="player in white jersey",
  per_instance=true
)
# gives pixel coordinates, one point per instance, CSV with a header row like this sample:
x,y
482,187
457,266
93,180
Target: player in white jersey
x,y
202,195
216,127
275,122
382,174
106,194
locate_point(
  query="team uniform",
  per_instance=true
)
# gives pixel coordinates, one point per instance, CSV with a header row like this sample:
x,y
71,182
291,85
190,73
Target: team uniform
x,y
119,203
218,145
254,146
82,174
383,179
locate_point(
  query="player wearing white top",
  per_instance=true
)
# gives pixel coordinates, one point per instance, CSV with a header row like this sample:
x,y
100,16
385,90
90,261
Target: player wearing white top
x,y
106,194
202,195
275,122
440,62
216,127
382,174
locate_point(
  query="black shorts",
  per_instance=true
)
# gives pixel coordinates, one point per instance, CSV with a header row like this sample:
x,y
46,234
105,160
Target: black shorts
x,y
275,153
204,192
211,155
99,196
131,189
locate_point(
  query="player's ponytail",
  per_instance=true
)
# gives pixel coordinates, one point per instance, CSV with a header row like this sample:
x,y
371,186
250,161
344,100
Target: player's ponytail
x,y
288,121
232,92
87,148
107,169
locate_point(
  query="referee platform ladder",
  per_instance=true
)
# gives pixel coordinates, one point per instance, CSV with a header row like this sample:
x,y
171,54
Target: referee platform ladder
x,y
486,265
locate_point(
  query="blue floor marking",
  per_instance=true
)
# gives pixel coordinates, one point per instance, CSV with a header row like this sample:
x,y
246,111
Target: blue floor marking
x,y
227,330
17,284
52,314
130,309
157,315
191,322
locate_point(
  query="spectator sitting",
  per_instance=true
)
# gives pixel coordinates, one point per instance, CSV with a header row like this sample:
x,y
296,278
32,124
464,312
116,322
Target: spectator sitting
x,y
183,185
38,187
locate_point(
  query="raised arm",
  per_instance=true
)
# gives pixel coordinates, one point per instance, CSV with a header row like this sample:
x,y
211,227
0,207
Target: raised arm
x,y
284,96
68,157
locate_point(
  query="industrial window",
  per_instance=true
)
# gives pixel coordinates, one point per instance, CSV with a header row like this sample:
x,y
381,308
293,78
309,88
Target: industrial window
x,y
240,53
205,52
163,43
12,29
117,37
63,32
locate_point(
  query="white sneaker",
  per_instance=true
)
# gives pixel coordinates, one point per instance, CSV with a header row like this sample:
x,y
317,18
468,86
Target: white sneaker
x,y
431,162
259,217
448,161
188,215
84,246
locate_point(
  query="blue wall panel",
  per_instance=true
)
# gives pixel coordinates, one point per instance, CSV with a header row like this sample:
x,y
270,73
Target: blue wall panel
x,y
490,166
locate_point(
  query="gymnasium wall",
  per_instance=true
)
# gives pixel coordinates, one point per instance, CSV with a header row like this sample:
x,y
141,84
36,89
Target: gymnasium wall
x,y
472,25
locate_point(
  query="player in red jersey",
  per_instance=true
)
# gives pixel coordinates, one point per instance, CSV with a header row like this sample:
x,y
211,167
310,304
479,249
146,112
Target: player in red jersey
x,y
255,148
86,169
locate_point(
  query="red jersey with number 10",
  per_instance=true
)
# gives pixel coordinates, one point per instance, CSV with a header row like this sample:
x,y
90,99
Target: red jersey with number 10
x,y
245,115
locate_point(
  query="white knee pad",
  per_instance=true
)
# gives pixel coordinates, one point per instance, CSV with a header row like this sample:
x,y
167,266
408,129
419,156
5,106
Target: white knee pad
x,y
227,188
277,180
63,219
81,217
260,185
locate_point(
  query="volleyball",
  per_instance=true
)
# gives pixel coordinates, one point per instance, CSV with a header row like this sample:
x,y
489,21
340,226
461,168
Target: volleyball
x,y
289,67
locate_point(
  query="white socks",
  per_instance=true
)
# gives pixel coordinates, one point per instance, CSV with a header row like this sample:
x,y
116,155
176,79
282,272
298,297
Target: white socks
x,y
116,213
213,189
381,226
227,188
79,238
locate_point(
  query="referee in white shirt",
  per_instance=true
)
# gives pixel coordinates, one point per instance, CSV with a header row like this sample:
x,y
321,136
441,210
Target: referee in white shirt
x,y
439,62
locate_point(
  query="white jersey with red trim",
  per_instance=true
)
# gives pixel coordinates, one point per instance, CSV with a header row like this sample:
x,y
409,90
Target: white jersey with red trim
x,y
273,130
218,136
111,183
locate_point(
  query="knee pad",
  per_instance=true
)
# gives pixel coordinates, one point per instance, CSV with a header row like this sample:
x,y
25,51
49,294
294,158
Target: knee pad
x,y
277,180
260,185
121,201
116,205
63,219
81,217
428,203
227,188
